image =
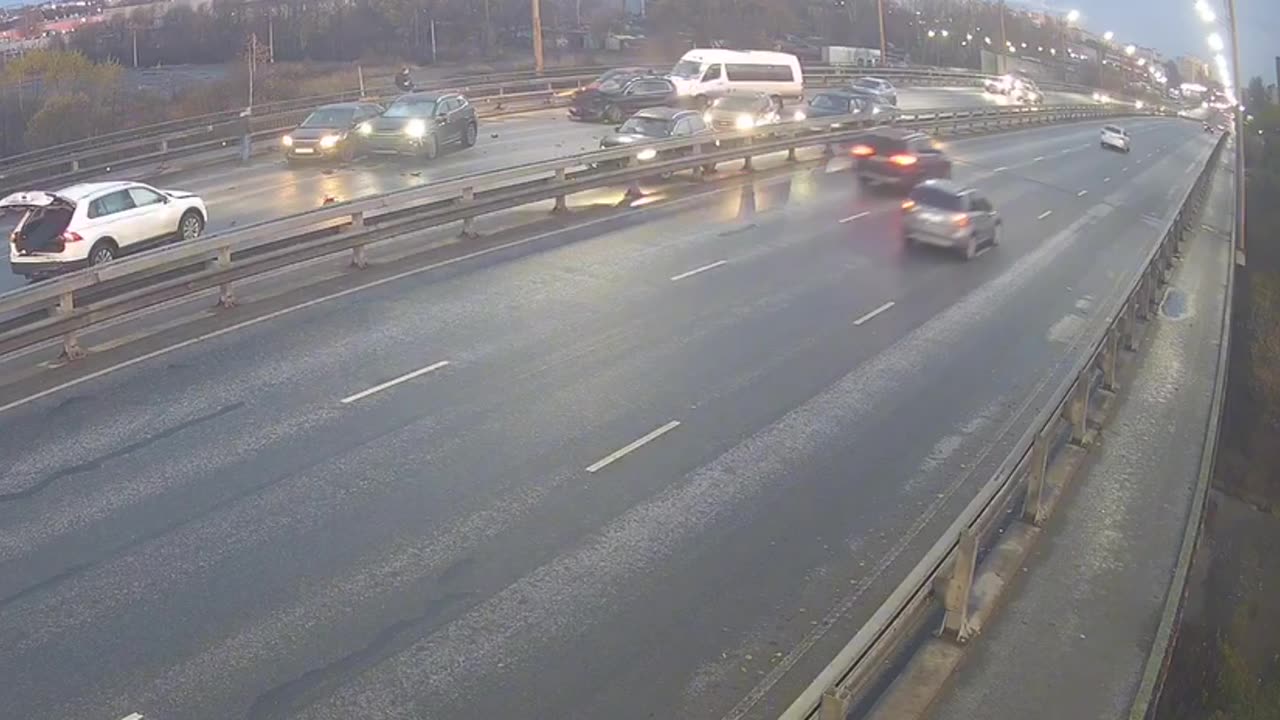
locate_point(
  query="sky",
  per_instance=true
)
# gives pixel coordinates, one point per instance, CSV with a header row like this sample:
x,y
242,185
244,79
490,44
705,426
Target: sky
x,y
1173,28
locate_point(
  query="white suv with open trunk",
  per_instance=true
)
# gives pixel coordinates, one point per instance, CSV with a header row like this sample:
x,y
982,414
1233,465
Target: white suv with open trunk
x,y
92,223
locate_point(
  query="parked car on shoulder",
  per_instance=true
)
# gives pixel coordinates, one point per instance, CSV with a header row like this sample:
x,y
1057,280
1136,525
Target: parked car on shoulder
x,y
741,111
860,109
899,158
421,124
329,132
946,214
93,223
615,100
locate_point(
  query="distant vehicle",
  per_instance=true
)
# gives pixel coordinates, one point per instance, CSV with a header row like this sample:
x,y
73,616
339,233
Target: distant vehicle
x,y
616,99
1005,84
420,124
900,158
706,74
1026,92
1208,128
947,214
93,223
1114,137
329,132
741,111
656,124
882,89
862,107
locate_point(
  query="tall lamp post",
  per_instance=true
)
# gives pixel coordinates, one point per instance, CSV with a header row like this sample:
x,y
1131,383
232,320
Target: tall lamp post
x,y
537,36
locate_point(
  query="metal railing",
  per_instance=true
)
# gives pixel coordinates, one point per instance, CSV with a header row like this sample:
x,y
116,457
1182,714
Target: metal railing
x,y
68,305
942,580
491,94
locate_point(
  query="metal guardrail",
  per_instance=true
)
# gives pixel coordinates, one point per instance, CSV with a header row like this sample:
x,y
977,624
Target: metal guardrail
x,y
492,94
65,306
943,578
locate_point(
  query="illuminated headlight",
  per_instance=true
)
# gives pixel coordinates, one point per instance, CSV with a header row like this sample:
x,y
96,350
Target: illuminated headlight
x,y
416,128
799,116
875,110
364,128
1097,97
287,141
1138,105
329,141
744,122
647,154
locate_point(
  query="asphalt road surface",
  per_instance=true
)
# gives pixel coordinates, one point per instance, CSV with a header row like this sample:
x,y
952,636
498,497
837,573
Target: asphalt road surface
x,y
660,472
268,189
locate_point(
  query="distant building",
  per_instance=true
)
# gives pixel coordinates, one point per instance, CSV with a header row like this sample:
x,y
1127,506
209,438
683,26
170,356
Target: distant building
x,y
1193,69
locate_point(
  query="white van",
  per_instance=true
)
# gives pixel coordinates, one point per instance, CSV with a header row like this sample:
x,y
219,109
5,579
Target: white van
x,y
711,73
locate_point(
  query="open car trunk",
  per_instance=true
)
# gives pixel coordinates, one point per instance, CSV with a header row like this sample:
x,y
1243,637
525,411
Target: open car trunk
x,y
40,230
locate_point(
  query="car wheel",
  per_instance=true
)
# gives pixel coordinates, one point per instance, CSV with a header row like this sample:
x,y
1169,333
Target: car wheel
x,y
190,226
469,135
613,114
430,148
103,251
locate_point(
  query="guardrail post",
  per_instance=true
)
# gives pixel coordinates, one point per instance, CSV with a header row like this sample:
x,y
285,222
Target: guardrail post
x,y
468,223
164,145
1128,325
955,596
562,204
1078,407
226,296
835,705
1143,298
746,161
1032,507
1110,359
75,166
359,258
71,349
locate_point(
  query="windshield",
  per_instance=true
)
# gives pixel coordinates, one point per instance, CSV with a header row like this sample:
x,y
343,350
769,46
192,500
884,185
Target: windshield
x,y
418,107
937,198
647,126
739,103
867,83
829,102
329,118
687,69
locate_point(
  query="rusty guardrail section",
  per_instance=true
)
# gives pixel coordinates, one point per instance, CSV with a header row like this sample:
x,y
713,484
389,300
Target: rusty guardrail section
x,y
942,580
491,94
65,306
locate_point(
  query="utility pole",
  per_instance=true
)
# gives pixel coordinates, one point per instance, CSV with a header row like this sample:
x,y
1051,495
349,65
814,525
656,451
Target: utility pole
x,y
1239,138
1004,43
884,42
135,47
271,38
488,29
433,41
537,36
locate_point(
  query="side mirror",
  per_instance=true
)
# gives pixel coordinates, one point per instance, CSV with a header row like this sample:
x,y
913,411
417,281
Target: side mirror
x,y
617,128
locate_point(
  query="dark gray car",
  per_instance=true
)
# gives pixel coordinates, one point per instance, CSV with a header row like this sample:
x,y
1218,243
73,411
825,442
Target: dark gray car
x,y
882,89
329,132
421,124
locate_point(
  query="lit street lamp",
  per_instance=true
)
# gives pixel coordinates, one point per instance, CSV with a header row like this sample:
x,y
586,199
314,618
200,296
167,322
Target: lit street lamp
x,y
1130,49
1073,16
1215,42
1108,36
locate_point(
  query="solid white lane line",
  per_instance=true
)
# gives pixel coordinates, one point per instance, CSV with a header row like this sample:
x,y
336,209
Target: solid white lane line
x,y
1082,193
391,383
858,216
1044,214
695,271
632,447
873,313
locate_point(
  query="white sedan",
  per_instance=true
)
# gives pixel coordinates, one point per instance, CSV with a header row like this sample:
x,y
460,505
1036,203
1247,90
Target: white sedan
x,y
92,223
1114,138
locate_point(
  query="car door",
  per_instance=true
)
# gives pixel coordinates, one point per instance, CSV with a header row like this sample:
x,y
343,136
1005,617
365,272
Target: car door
x,y
115,217
642,94
156,215
447,119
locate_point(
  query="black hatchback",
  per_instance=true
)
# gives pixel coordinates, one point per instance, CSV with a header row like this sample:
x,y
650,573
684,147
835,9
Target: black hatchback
x,y
329,132
900,158
616,99
421,124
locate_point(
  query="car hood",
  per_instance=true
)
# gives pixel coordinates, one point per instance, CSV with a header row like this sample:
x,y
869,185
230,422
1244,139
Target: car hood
x,y
590,96
386,124
813,112
315,133
622,139
180,194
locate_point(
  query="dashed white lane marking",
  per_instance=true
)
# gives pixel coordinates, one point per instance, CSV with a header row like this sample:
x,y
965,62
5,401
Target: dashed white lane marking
x,y
857,216
1124,169
873,313
1044,214
1082,193
1106,179
132,716
1002,168
695,271
632,447
1038,158
391,383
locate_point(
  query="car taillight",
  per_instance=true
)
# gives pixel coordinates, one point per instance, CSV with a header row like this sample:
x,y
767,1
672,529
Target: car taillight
x,y
903,160
70,237
862,150
908,205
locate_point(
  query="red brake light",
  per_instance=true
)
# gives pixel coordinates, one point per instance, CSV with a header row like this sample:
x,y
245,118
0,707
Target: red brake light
x,y
903,160
70,237
863,150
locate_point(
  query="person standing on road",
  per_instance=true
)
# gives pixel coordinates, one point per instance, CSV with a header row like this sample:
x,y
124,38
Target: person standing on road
x,y
403,81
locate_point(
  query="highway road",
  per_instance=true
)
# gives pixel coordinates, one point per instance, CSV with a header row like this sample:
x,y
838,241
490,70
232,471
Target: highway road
x,y
663,471
268,189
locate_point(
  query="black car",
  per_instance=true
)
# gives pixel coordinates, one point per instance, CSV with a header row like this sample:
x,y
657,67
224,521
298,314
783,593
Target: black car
x,y
741,111
329,132
621,74
618,98
655,125
899,158
861,107
421,124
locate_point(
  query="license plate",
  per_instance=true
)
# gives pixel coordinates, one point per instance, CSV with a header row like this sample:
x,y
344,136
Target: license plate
x,y
303,151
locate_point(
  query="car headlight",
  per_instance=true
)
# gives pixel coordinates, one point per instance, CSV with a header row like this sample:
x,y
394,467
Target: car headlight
x,y
799,116
287,141
1138,105
364,128
329,141
875,110
647,154
744,122
416,128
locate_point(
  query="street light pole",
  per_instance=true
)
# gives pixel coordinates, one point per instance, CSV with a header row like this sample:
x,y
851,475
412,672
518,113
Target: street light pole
x,y
1004,42
1239,139
884,43
537,36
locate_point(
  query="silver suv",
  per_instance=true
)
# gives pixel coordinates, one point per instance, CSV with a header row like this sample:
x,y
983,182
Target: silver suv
x,y
947,214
